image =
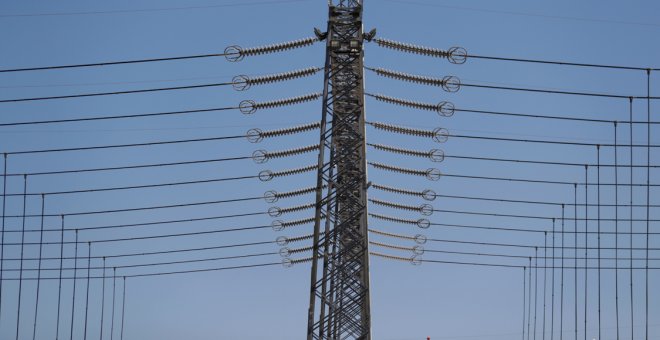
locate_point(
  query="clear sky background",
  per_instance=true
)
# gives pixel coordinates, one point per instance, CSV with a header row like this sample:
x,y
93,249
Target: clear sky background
x,y
408,302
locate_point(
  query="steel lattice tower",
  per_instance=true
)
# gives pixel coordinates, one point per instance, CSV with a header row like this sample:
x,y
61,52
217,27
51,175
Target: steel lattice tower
x,y
339,298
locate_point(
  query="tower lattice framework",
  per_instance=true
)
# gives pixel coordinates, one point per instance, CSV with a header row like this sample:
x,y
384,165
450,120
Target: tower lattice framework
x,y
339,298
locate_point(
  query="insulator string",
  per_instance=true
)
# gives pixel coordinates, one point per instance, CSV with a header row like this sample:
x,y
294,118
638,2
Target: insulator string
x,y
243,82
267,175
431,174
439,135
448,83
444,108
257,135
250,106
263,156
427,194
435,155
455,55
236,53
424,209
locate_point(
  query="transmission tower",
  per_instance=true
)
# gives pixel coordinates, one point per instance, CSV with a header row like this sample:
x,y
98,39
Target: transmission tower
x,y
339,298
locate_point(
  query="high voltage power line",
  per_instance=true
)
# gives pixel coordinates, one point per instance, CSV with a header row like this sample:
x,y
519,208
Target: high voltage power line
x,y
338,161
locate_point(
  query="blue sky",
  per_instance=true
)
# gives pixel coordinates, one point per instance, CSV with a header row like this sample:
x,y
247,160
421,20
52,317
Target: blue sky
x,y
409,302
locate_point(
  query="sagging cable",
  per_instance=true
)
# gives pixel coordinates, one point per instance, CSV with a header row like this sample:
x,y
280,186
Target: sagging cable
x,y
257,135
455,55
236,53
263,156
419,238
448,83
250,106
422,222
243,82
267,175
417,250
273,196
431,174
284,241
427,194
277,211
424,209
415,260
443,108
435,155
439,135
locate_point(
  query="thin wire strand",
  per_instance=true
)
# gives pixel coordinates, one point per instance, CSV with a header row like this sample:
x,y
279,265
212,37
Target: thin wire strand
x,y
114,285
586,245
598,226
41,239
131,167
20,280
575,262
524,300
2,231
574,93
89,264
108,63
101,94
123,308
563,63
102,301
632,299
116,146
59,289
75,278
648,192
616,230
99,118
545,279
